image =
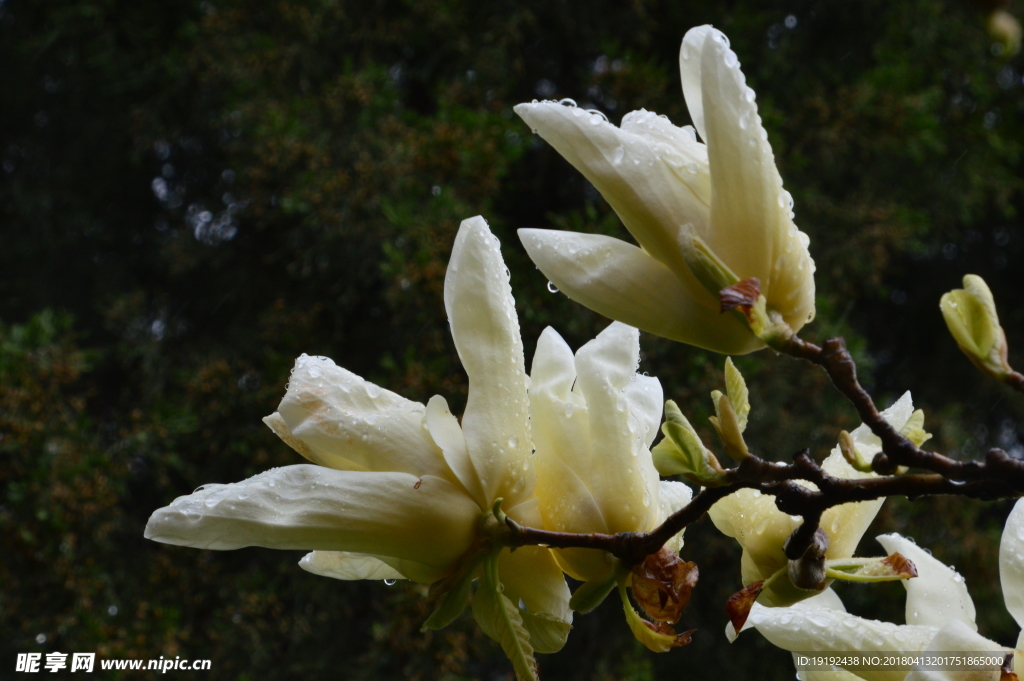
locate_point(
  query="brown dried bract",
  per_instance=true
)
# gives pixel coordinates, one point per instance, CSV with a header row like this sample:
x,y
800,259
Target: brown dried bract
x,y
739,604
662,585
743,294
664,629
901,565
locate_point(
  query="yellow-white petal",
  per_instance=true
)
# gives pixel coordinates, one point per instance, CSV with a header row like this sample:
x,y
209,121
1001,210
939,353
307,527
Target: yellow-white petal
x,y
622,282
645,399
938,594
424,519
672,496
1011,562
956,637
444,428
690,74
641,181
561,434
533,581
347,566
826,630
760,528
623,477
336,419
485,329
750,228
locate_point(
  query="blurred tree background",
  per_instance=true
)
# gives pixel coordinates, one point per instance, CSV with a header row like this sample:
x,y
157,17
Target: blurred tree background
x,y
194,193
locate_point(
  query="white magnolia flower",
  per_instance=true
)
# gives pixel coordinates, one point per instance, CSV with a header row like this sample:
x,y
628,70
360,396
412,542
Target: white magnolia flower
x,y
940,617
761,528
400,489
687,204
594,419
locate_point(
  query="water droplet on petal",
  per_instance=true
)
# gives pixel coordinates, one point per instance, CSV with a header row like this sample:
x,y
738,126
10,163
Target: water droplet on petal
x,y
552,287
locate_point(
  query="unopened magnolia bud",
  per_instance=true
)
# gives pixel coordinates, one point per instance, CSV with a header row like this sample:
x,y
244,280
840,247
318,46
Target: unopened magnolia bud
x,y
970,314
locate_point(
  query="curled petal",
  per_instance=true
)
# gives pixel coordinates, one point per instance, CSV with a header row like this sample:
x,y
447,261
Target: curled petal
x,y
338,420
485,329
645,183
938,594
621,281
427,520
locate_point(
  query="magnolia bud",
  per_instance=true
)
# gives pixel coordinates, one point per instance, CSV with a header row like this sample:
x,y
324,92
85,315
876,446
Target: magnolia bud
x,y
970,314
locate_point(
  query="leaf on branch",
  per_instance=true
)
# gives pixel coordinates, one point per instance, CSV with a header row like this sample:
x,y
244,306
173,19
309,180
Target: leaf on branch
x,y
739,396
662,584
658,637
739,604
727,425
592,593
682,452
888,569
547,633
500,619
742,295
453,591
914,430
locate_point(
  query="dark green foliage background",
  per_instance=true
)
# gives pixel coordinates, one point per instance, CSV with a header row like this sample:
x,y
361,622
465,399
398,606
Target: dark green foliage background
x,y
351,138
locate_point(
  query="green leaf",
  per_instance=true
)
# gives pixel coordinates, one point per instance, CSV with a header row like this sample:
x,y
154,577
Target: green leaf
x,y
592,593
547,633
739,396
914,430
682,452
502,620
453,602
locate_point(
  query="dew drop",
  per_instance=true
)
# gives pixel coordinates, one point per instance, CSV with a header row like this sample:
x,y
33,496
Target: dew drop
x,y
568,102
619,154
552,287
390,582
